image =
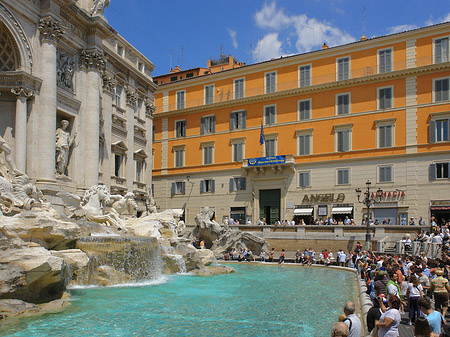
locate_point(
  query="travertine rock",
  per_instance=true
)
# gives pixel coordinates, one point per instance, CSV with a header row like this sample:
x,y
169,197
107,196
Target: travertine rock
x,y
207,256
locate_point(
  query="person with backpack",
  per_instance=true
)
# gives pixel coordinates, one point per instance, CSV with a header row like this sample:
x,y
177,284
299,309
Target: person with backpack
x,y
351,320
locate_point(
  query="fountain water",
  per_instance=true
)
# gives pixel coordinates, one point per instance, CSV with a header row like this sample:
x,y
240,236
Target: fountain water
x,y
179,262
119,260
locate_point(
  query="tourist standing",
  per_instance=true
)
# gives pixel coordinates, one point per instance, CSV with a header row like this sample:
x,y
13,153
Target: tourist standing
x,y
439,288
434,317
390,319
271,254
414,293
351,320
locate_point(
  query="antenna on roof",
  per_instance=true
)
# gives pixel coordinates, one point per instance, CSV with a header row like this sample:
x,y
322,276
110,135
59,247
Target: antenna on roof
x,y
364,20
221,49
182,55
250,54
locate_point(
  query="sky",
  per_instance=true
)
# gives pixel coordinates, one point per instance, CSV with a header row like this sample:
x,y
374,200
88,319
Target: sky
x,y
187,33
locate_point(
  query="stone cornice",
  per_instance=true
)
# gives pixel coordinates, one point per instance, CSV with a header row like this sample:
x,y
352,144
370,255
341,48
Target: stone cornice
x,y
50,29
13,79
433,68
93,59
22,91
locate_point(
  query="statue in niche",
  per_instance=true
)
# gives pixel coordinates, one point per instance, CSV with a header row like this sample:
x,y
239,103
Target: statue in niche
x,y
65,72
10,167
98,6
64,141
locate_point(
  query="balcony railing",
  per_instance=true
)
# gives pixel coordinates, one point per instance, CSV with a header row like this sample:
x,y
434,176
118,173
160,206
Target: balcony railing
x,y
223,94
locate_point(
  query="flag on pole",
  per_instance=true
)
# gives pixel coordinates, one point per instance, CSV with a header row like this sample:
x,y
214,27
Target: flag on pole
x,y
261,136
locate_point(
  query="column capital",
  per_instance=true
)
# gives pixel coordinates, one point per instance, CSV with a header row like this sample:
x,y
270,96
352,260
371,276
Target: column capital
x,y
22,92
131,97
109,83
50,29
93,59
149,109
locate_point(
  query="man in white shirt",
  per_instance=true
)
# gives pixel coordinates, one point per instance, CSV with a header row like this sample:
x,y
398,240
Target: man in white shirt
x,y
352,321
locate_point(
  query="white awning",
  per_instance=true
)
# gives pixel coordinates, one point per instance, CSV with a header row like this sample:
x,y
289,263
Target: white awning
x,y
303,211
341,210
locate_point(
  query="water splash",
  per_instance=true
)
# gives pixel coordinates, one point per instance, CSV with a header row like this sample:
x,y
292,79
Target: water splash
x,y
179,262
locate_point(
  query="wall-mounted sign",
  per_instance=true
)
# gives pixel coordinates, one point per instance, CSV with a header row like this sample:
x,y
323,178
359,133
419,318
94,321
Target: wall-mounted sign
x,y
326,197
323,210
440,202
390,194
272,160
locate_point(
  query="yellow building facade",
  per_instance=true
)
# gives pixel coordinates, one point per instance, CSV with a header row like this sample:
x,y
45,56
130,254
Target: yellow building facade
x,y
377,110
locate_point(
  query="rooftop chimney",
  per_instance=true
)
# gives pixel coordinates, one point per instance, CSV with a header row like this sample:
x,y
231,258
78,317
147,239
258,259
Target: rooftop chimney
x,y
324,46
363,38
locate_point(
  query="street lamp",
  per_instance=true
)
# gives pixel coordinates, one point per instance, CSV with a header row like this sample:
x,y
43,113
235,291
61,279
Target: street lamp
x,y
368,201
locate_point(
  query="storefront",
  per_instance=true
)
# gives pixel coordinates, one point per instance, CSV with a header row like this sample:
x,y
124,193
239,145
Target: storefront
x,y
440,210
341,212
305,213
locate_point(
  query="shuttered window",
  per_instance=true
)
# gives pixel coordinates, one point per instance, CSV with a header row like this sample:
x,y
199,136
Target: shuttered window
x,y
207,185
238,120
178,187
305,76
237,184
343,66
385,174
441,92
343,141
180,99
304,145
209,94
270,114
441,50
238,151
343,176
385,98
208,154
239,88
385,136
270,145
343,104
384,61
180,129
303,179
208,124
304,109
271,82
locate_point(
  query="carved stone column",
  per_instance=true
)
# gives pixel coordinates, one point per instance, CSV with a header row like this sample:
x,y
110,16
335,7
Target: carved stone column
x,y
50,32
20,152
94,62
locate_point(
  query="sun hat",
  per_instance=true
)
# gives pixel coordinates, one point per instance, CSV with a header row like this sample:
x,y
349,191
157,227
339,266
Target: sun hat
x,y
439,272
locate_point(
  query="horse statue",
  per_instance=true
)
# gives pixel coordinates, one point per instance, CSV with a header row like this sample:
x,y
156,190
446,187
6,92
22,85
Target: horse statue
x,y
91,206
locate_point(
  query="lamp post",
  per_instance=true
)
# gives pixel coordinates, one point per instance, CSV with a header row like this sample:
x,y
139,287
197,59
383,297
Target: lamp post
x,y
368,201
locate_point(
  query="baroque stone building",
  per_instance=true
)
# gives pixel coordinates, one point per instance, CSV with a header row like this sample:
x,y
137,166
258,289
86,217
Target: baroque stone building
x,y
61,60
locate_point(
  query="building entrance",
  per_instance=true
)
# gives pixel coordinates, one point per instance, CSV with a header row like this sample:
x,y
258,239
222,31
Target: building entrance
x,y
269,205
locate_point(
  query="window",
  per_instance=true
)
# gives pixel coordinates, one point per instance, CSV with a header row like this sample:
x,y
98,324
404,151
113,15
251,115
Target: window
x,y
178,187
270,114
139,170
207,185
189,75
180,99
304,109
119,50
304,147
439,171
237,120
140,66
441,50
118,159
343,68
237,184
173,78
208,153
385,98
209,94
179,155
343,138
138,108
385,174
343,104
303,179
343,176
271,84
439,131
305,76
441,92
270,147
208,125
384,61
237,150
239,88
385,136
180,128
118,96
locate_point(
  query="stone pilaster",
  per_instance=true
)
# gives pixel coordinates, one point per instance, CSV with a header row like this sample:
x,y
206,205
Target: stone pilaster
x,y
50,32
20,152
94,63
149,111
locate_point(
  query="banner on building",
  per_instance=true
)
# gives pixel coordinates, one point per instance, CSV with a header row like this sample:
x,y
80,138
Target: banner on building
x,y
272,160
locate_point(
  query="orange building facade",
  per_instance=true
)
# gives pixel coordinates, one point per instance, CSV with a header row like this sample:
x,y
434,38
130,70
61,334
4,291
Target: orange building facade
x,y
330,120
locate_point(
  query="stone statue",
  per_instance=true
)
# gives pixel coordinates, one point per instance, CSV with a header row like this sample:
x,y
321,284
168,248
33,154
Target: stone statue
x,y
64,142
124,204
10,166
98,6
65,71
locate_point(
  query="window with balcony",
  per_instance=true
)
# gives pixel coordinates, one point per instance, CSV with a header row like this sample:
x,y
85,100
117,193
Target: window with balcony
x,y
385,98
207,185
441,90
180,99
439,171
271,82
439,130
343,104
239,88
343,68
178,187
304,179
237,184
270,114
180,128
304,109
209,94
238,120
441,50
208,125
305,76
385,174
384,61
343,176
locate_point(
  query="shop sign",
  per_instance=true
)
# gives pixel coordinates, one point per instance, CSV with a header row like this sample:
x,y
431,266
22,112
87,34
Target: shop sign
x,y
440,202
389,194
325,197
272,160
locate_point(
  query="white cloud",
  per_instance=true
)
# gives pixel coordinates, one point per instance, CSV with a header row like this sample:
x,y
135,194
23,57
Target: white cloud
x,y
233,37
268,47
431,21
308,32
400,28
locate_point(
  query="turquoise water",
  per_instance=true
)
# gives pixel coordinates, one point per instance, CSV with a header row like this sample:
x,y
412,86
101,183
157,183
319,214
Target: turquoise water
x,y
253,301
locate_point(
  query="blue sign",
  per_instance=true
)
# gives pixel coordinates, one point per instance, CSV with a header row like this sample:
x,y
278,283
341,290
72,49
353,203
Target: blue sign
x,y
272,160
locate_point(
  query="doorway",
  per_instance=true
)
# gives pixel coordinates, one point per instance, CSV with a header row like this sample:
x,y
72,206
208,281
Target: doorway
x,y
269,205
